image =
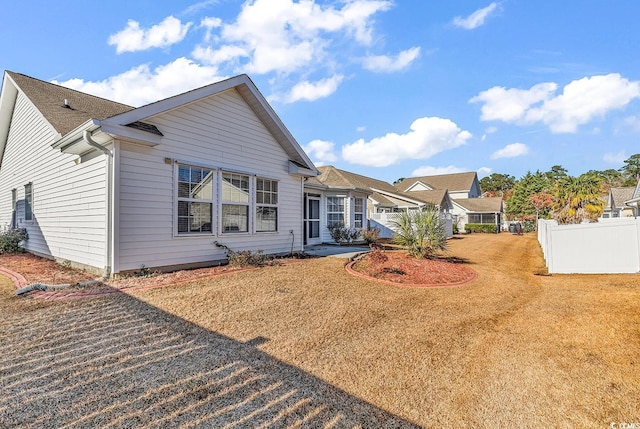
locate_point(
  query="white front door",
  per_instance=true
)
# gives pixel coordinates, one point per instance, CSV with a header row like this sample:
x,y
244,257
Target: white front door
x,y
312,221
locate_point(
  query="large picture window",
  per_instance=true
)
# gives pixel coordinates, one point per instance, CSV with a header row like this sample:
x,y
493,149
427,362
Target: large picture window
x,y
195,199
28,201
235,203
266,205
335,211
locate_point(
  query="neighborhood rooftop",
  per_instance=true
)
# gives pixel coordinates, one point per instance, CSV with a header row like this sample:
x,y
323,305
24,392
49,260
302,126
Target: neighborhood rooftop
x,y
453,182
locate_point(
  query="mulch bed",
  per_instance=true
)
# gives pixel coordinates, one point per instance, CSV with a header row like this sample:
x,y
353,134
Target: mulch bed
x,y
36,269
401,269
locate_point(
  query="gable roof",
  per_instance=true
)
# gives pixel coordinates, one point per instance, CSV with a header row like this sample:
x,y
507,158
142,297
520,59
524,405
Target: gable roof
x,y
384,193
332,177
88,112
480,205
454,182
619,195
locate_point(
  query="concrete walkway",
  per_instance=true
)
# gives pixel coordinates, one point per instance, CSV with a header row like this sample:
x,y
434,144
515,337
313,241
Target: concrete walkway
x,y
335,251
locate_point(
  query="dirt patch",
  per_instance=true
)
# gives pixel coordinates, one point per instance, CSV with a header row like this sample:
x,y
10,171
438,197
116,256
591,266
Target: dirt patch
x,y
398,268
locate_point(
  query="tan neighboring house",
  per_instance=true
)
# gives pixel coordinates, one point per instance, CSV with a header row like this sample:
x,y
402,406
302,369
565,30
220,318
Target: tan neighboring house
x,y
464,189
359,201
622,202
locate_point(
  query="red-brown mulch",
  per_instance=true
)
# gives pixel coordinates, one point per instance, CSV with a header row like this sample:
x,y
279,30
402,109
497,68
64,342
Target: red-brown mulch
x,y
41,270
400,269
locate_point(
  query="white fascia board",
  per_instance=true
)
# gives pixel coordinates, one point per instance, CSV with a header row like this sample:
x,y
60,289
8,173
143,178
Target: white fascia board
x,y
397,196
131,134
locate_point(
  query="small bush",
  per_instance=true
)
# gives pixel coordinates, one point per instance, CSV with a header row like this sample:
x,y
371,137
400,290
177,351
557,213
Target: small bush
x,y
246,258
487,228
370,235
341,234
10,240
528,226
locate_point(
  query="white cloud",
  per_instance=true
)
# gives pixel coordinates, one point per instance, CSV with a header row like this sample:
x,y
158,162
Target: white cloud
x,y
484,172
488,131
581,101
361,129
615,158
320,151
427,137
428,170
309,91
142,85
386,64
286,36
511,151
476,19
133,38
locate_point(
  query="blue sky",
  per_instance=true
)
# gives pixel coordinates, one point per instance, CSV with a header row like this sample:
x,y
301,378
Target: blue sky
x,y
383,88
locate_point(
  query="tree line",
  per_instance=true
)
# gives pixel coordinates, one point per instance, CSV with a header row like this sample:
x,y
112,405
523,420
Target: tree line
x,y
555,194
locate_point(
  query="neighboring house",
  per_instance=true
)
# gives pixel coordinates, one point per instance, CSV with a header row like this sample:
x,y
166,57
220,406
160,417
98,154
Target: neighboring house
x,y
348,197
634,201
112,187
615,203
464,189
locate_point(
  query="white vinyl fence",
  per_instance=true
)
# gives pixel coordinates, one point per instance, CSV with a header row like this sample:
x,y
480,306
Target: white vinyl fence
x,y
606,247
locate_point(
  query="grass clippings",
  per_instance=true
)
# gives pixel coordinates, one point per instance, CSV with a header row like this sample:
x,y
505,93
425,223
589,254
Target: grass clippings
x,y
307,344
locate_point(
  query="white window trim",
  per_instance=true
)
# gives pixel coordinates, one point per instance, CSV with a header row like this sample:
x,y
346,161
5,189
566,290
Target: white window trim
x,y
176,199
362,212
28,221
256,205
344,207
249,204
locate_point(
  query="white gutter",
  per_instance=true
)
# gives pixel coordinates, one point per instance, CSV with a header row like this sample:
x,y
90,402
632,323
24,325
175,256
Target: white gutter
x,y
87,138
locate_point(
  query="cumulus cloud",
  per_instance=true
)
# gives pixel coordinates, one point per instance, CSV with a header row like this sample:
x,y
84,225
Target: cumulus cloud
x,y
580,101
142,85
428,170
484,172
320,151
387,64
134,38
310,91
476,19
615,158
511,151
286,36
426,137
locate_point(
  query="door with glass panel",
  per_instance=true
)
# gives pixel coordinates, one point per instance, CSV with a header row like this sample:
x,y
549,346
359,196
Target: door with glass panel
x,y
312,221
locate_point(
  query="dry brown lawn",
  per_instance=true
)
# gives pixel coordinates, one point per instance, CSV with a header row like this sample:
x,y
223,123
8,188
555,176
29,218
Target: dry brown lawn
x,y
307,344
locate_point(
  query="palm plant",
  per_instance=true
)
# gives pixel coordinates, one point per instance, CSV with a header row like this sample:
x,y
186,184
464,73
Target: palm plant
x,y
422,232
576,199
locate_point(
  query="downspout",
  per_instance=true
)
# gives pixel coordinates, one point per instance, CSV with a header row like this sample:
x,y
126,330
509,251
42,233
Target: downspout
x,y
87,137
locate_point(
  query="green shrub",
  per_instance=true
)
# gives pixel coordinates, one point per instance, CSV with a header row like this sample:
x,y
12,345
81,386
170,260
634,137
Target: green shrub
x,y
10,240
422,233
488,228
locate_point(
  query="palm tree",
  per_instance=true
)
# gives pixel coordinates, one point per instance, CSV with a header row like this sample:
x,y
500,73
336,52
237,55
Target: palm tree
x,y
577,198
422,232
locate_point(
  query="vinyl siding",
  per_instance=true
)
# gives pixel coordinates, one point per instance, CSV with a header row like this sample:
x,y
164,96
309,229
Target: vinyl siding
x,y
217,132
68,198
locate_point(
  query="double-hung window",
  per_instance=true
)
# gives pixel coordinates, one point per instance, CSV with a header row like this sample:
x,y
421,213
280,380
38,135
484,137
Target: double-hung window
x,y
335,211
195,199
266,205
235,202
358,210
28,201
